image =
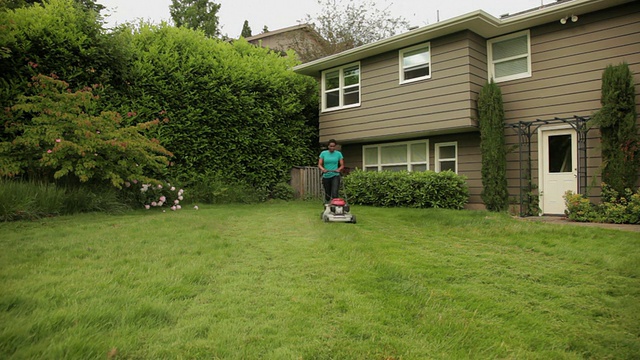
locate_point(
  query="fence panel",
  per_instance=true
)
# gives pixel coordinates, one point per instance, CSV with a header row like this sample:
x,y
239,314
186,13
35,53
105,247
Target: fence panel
x,y
306,181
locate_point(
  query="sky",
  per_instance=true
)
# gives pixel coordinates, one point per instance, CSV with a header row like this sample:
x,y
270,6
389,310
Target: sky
x,y
278,14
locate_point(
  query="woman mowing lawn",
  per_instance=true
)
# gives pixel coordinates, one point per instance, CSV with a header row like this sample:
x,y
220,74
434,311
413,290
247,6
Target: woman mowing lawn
x,y
331,164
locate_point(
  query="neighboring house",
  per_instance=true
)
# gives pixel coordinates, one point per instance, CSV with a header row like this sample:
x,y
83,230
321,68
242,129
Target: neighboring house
x,y
303,39
409,102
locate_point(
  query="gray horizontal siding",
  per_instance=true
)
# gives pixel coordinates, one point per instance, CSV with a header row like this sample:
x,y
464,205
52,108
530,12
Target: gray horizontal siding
x,y
567,66
389,109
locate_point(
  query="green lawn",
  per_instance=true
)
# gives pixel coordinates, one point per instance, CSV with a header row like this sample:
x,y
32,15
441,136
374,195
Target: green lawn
x,y
272,281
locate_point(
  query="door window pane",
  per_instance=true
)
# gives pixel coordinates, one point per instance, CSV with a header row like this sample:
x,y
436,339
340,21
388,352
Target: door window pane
x,y
560,157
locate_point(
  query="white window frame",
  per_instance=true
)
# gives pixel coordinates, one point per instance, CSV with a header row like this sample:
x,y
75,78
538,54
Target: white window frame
x,y
410,164
341,87
492,64
437,158
401,61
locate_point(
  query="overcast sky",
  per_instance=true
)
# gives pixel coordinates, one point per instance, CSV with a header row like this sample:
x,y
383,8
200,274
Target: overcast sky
x,y
277,14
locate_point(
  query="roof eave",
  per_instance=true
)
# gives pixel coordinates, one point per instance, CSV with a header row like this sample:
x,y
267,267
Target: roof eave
x,y
478,21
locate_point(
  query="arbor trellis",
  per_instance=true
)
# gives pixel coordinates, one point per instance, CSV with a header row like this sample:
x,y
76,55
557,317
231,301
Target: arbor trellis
x,y
525,131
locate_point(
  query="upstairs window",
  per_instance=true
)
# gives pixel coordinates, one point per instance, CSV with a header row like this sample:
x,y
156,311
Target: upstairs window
x,y
415,63
341,87
411,156
510,57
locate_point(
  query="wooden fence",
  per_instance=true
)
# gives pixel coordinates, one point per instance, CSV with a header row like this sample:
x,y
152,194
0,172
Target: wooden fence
x,y
307,182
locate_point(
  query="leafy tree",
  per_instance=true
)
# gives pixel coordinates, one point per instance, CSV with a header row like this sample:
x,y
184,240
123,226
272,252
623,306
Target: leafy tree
x,y
348,24
56,37
14,4
67,138
196,15
617,120
246,30
492,145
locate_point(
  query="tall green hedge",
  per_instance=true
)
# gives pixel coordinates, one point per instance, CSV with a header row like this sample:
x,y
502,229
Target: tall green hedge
x,y
232,109
495,193
617,120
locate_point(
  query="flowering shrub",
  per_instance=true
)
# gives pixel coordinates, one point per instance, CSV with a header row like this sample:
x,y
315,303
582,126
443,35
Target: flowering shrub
x,y
579,208
55,134
154,195
620,208
615,208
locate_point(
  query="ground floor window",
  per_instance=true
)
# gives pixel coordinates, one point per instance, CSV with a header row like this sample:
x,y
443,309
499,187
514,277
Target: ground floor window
x,y
446,156
409,156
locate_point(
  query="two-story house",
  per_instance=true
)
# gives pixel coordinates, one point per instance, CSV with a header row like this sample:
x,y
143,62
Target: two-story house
x,y
409,102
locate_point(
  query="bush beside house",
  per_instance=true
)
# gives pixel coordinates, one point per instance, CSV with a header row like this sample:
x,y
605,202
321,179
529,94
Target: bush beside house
x,y
407,189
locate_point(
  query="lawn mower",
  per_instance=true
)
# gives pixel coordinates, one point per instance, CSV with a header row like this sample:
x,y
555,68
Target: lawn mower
x,y
337,210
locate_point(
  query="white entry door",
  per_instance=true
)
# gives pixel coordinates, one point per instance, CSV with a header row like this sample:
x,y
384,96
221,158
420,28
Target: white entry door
x,y
558,163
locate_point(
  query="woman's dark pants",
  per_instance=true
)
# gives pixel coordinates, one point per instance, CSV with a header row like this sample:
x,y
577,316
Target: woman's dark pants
x,y
331,186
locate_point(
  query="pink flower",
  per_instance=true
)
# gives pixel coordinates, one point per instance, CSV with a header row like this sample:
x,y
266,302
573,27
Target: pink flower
x,y
176,202
178,207
135,181
97,131
49,151
154,203
159,186
163,198
180,198
58,140
173,188
173,208
147,207
160,203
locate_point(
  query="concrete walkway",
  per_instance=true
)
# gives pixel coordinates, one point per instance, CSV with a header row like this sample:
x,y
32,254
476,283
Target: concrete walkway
x,y
561,220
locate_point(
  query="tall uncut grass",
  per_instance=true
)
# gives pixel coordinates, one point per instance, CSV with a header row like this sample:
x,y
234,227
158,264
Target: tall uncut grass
x,y
272,281
33,200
